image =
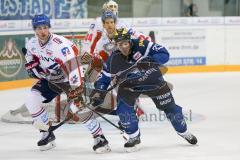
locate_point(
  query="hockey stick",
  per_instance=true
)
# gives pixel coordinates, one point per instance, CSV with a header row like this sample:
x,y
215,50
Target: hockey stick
x,y
42,126
45,127
122,73
125,135
52,128
119,79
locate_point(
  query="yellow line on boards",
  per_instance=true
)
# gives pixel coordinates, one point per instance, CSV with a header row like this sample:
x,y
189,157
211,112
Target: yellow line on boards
x,y
17,84
194,69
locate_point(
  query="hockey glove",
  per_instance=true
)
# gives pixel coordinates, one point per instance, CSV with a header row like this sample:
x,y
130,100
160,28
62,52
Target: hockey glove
x,y
97,97
33,63
75,93
86,58
33,68
97,63
75,96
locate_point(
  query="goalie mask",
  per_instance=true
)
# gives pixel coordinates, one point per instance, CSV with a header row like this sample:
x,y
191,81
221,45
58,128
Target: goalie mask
x,y
108,14
111,6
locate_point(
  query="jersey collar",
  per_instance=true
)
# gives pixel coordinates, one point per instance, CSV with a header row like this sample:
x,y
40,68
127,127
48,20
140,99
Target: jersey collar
x,y
44,44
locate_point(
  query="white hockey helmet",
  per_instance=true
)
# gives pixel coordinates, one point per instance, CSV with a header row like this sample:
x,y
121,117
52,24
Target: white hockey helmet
x,y
111,6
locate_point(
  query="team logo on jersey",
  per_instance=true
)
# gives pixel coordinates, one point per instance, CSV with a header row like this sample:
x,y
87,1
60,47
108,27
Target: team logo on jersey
x,y
48,59
10,59
57,40
49,52
141,43
137,55
65,51
156,47
92,26
74,79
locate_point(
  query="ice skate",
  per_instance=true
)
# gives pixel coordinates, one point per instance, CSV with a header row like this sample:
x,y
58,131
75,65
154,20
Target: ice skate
x,y
132,145
47,141
189,137
101,144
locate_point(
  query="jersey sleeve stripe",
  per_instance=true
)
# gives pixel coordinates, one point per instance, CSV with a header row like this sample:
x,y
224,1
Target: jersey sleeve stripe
x,y
96,39
148,49
78,65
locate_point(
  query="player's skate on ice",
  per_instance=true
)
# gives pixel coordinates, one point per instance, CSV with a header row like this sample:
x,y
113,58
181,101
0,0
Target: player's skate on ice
x,y
47,141
101,144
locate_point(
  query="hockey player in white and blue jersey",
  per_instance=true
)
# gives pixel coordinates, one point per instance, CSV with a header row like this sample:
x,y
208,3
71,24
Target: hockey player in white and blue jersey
x,y
53,60
145,78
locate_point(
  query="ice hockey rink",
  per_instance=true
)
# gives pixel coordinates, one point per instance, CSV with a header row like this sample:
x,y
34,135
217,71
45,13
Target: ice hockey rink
x,y
211,106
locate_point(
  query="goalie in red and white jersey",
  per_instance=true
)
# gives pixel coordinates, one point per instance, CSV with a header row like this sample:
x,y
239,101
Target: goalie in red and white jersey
x,y
97,30
98,42
53,60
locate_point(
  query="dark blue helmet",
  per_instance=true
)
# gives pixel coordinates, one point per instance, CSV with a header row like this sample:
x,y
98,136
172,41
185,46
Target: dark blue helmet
x,y
108,14
40,19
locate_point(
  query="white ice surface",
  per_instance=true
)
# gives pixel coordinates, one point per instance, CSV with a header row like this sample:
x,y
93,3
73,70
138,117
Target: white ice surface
x,y
213,99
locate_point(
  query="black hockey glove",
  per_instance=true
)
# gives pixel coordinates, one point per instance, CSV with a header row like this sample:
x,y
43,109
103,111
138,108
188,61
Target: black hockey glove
x,y
97,97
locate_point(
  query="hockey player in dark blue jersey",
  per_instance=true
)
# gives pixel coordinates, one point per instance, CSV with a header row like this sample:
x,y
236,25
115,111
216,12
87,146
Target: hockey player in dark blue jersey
x,y
146,78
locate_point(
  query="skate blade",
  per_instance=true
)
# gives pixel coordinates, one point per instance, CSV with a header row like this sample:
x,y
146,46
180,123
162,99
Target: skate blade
x,y
49,146
104,149
133,149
